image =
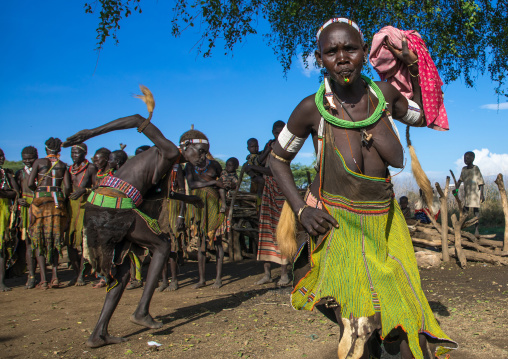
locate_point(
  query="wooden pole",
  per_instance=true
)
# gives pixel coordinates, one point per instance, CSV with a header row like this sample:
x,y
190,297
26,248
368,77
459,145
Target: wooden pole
x,y
443,198
504,200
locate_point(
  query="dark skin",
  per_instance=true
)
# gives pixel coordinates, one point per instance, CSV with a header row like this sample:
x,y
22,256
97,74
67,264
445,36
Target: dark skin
x,y
256,177
40,170
267,266
100,160
230,168
342,52
114,161
143,172
22,180
9,193
80,183
196,156
180,226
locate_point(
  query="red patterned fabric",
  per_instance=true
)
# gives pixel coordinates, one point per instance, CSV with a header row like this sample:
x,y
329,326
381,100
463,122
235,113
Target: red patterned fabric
x,y
392,70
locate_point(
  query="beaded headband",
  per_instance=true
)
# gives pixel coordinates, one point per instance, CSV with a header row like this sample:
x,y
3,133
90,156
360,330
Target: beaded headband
x,y
194,140
342,20
80,147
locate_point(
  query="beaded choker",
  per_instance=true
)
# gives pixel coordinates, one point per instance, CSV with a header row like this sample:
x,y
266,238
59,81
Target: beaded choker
x,y
74,171
101,174
348,124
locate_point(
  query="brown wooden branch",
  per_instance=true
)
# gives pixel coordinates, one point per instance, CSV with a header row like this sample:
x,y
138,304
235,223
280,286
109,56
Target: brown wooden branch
x,y
443,198
458,241
504,201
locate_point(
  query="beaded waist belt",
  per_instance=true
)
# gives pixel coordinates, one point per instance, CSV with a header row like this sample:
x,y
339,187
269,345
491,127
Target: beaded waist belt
x,y
49,194
102,200
124,187
49,189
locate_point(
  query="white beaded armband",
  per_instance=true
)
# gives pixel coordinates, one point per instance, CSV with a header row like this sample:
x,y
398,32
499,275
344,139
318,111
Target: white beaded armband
x,y
413,113
290,142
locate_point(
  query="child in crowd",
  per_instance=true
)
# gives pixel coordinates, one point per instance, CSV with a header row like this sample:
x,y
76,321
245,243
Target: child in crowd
x,y
473,187
404,207
229,180
257,181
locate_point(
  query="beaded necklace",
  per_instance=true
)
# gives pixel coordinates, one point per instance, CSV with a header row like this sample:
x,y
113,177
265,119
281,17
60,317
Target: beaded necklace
x,y
106,173
201,170
341,122
4,184
80,168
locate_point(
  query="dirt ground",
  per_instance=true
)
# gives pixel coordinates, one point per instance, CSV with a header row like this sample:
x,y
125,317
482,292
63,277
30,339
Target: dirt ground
x,y
240,319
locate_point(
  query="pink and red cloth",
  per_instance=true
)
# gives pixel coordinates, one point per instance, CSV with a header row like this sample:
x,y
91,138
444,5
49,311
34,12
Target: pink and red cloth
x,y
395,72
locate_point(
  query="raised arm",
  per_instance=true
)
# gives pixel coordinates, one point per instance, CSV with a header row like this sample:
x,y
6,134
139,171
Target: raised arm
x,y
166,147
300,124
401,105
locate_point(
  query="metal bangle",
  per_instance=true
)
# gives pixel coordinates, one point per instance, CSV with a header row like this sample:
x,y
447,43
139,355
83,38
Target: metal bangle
x,y
300,211
277,157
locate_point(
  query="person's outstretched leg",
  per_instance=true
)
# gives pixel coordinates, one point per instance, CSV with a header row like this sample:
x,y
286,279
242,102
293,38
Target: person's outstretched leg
x,y
100,336
476,212
267,278
159,246
219,250
141,315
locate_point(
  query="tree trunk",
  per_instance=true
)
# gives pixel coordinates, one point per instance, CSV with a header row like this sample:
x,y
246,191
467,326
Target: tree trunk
x,y
504,200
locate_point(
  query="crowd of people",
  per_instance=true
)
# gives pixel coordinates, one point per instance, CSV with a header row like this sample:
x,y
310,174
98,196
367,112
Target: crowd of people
x,y
347,237
46,210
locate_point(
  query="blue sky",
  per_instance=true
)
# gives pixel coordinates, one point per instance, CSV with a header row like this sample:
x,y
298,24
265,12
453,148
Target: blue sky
x,y
52,87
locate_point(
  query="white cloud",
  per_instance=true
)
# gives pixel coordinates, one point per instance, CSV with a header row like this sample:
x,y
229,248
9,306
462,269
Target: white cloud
x,y
311,69
490,164
495,106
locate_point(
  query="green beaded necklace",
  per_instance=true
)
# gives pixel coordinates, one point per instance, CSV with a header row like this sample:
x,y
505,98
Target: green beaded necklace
x,y
348,124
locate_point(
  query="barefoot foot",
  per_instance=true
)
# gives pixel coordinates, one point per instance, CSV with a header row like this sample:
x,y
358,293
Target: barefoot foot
x,y
30,283
217,284
173,285
133,284
101,284
264,280
100,341
163,287
198,285
4,288
146,321
283,281
80,282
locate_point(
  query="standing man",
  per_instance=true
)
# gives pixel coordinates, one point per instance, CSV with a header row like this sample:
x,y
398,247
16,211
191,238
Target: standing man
x,y
473,187
82,175
28,156
48,220
8,190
